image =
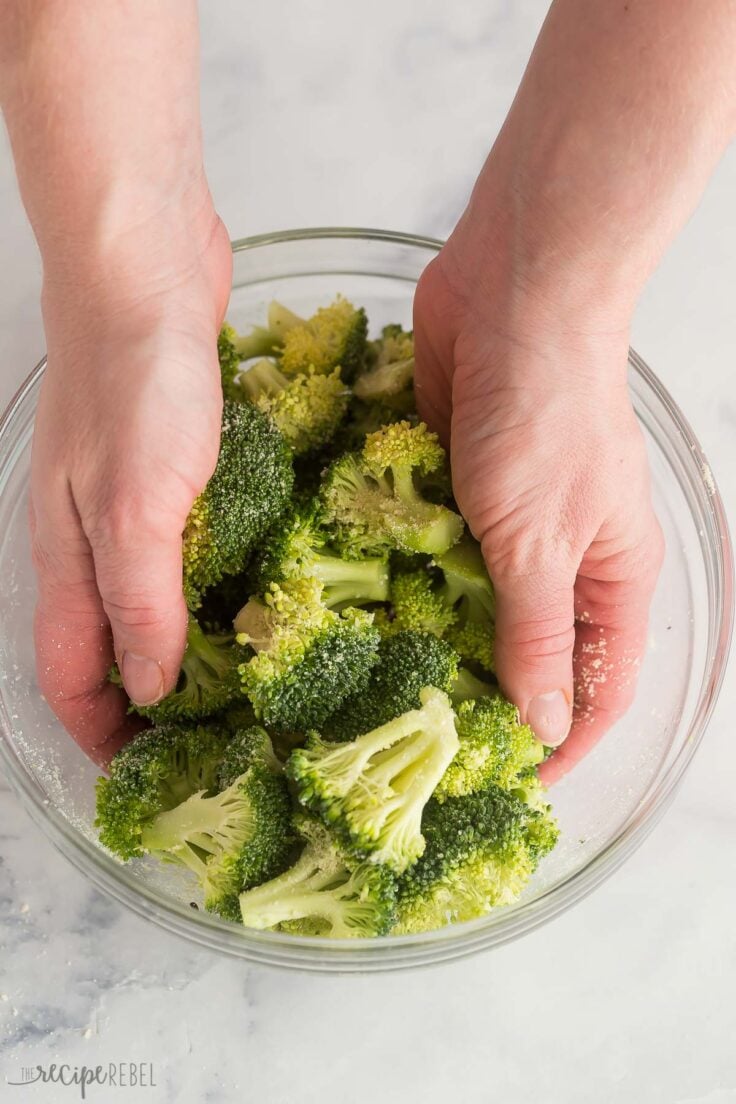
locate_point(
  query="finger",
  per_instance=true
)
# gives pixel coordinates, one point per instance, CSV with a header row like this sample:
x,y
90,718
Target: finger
x,y
612,600
535,633
138,569
72,638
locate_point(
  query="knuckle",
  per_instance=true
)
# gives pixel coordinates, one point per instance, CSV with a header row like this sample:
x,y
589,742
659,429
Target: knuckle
x,y
536,642
135,612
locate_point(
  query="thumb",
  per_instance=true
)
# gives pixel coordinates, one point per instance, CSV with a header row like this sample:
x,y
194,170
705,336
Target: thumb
x,y
535,634
138,567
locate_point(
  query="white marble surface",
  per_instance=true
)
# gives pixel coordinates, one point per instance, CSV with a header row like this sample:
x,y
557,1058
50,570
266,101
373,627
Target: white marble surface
x,y
327,113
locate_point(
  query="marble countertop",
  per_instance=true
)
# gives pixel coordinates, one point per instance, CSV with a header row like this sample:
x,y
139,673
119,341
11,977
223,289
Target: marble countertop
x,y
628,997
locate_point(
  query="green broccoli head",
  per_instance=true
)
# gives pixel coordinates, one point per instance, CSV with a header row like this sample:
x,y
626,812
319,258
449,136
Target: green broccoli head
x,y
229,359
208,681
495,747
231,840
156,771
407,662
372,501
307,409
308,658
417,606
321,894
479,854
372,791
475,642
250,487
250,746
335,336
296,548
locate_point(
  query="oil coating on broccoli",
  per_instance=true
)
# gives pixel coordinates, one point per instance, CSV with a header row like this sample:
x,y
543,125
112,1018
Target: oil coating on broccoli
x,y
372,501
297,548
372,791
250,487
308,658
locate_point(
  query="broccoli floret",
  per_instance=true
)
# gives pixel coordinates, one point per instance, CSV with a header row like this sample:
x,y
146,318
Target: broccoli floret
x,y
480,852
208,679
230,841
467,586
407,662
296,548
416,605
389,375
250,487
156,771
494,747
307,409
373,503
335,336
467,686
229,359
308,658
251,745
475,642
321,895
263,341
372,791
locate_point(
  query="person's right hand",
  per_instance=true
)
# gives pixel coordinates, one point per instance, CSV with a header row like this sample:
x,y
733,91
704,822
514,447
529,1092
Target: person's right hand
x,y
127,435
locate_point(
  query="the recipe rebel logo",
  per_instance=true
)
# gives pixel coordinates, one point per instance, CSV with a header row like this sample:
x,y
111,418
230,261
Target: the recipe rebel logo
x,y
117,1075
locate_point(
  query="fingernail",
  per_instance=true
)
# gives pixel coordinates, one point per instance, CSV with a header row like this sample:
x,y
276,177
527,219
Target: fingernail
x,y
143,678
550,716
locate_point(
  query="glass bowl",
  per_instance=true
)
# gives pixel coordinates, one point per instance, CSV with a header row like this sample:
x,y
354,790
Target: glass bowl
x,y
606,806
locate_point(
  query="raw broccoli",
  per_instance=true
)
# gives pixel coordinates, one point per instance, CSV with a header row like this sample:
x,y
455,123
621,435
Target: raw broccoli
x,y
264,341
475,642
467,686
321,895
371,792
389,375
467,586
416,605
306,409
308,658
208,679
494,747
481,849
231,840
407,662
250,487
250,745
296,547
229,359
372,500
334,336
156,771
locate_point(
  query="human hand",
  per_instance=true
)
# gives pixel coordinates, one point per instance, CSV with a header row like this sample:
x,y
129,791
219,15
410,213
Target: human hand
x,y
550,471
126,436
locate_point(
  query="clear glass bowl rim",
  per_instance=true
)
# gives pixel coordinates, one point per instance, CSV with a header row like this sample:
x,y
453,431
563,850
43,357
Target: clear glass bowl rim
x,y
322,955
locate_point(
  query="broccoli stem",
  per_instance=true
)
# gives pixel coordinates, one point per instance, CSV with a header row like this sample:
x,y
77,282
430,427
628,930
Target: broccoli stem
x,y
263,378
260,342
348,582
294,895
467,686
